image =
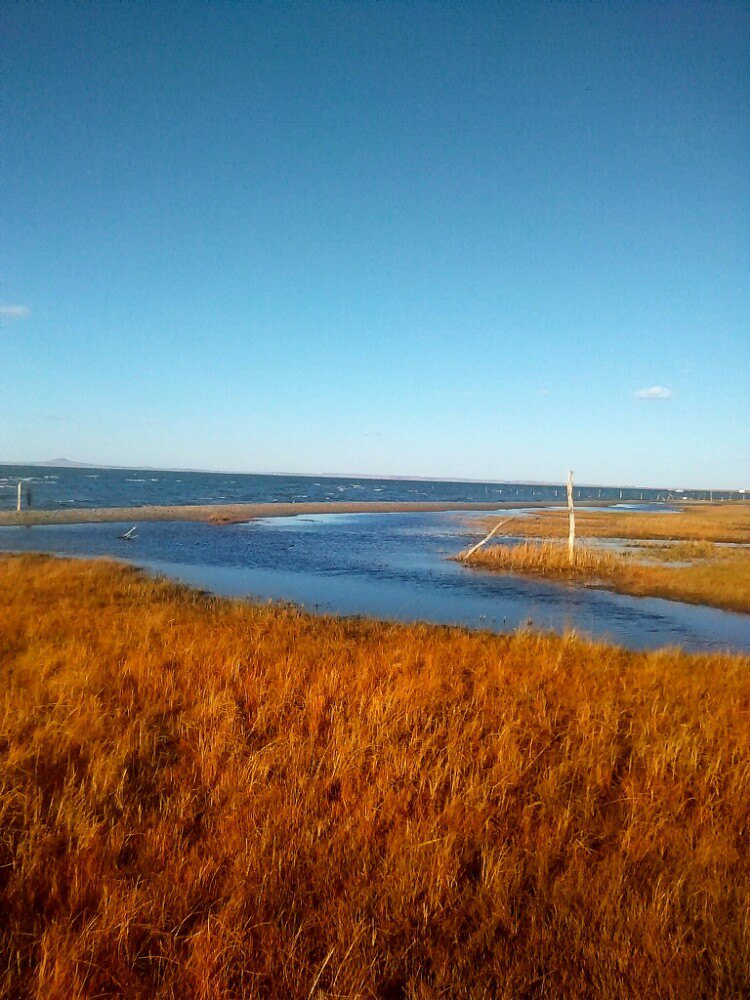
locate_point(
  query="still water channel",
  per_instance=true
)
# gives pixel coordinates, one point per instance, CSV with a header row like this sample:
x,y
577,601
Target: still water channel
x,y
391,566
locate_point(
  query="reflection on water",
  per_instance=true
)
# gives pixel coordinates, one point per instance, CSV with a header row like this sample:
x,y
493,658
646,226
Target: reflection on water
x,y
392,566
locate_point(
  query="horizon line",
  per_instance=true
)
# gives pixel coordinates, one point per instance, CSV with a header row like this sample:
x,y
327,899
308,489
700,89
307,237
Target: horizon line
x,y
64,463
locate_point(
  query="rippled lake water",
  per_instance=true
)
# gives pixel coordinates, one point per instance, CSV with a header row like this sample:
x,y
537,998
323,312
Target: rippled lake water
x,y
392,566
60,488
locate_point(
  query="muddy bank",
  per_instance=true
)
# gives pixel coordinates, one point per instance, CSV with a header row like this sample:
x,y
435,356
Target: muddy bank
x,y
234,513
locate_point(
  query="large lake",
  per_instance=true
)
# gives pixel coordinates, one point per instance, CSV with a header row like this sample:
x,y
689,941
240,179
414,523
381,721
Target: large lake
x,y
56,488
392,566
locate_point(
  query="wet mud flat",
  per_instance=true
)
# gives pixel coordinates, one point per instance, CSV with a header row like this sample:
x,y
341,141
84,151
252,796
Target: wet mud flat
x,y
237,513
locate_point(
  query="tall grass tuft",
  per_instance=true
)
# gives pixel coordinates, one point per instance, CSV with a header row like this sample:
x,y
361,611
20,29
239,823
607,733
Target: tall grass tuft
x,y
548,559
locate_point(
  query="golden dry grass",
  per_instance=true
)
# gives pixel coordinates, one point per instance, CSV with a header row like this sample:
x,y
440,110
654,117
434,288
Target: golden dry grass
x,y
549,559
713,576
708,522
203,798
681,551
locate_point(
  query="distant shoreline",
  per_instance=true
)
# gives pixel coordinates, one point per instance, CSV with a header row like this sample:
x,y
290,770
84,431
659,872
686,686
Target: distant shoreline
x,y
237,512
71,466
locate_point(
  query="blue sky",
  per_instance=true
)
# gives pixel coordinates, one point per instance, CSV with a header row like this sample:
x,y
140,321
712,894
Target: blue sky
x,y
390,238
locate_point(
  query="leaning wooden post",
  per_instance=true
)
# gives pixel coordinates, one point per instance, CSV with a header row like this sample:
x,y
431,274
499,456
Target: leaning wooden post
x,y
572,520
20,495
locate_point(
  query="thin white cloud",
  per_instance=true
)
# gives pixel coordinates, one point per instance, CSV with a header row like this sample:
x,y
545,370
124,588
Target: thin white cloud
x,y
655,392
14,311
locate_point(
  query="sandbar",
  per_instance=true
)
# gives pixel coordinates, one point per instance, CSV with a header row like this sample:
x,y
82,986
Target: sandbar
x,y
236,513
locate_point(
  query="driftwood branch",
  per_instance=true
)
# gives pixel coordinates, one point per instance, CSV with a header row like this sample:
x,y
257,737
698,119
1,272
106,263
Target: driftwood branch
x,y
486,539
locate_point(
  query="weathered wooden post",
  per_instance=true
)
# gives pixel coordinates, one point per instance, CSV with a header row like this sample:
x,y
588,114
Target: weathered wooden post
x,y
571,520
20,496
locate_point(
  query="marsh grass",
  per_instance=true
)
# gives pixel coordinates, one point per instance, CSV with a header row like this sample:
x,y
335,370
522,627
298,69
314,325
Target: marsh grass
x,y
549,559
695,567
704,523
678,551
205,798
696,573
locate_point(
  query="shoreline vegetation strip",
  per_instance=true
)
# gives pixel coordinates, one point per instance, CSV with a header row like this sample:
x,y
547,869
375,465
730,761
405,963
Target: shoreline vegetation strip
x,y
698,556
205,797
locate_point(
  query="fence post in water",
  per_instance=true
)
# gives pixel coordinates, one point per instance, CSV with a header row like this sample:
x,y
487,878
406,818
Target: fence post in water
x,y
571,519
20,495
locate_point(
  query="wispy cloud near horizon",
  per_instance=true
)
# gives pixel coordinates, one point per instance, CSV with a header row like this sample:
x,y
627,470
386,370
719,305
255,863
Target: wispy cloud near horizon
x,y
8,311
655,392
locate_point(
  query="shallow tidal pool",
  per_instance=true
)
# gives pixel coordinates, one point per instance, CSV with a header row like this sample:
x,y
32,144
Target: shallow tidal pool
x,y
390,566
